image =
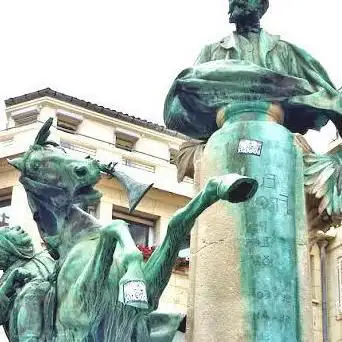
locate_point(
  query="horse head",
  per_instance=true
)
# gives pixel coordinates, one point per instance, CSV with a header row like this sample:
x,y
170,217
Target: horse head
x,y
54,181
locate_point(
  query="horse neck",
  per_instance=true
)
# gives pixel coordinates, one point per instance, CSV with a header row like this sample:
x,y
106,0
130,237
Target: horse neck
x,y
69,224
48,218
78,226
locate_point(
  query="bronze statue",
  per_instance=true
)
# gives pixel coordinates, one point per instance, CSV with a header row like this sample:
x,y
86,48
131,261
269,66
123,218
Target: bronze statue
x,y
101,289
244,99
23,286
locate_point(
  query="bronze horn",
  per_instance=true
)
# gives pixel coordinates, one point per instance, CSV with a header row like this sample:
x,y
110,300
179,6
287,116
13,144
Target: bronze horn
x,y
135,190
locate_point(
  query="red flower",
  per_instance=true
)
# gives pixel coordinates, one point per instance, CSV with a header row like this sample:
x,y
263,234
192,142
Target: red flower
x,y
148,250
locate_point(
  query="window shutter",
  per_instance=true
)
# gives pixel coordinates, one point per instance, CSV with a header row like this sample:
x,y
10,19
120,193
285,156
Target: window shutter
x,y
125,140
68,122
25,116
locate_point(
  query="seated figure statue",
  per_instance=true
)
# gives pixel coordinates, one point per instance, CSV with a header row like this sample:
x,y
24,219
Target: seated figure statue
x,y
252,65
253,44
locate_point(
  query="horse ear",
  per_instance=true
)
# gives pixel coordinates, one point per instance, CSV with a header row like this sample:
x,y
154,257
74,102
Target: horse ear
x,y
17,163
43,133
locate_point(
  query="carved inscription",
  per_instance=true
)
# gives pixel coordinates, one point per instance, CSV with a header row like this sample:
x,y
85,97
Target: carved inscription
x,y
273,294
269,181
278,203
269,244
262,260
251,242
256,227
264,315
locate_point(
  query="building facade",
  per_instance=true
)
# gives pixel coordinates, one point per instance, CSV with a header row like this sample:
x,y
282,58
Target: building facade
x,y
143,150
326,275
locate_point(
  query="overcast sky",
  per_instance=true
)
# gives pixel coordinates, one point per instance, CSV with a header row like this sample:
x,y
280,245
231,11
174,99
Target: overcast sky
x,y
124,54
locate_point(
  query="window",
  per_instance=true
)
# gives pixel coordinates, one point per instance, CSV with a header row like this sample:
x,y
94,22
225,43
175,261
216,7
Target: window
x,y
140,232
68,122
138,165
5,206
124,144
173,155
25,116
339,285
66,126
313,277
125,140
77,150
188,180
185,248
92,210
5,142
141,225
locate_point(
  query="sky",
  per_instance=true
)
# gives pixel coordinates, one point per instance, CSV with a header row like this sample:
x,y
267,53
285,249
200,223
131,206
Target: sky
x,y
124,54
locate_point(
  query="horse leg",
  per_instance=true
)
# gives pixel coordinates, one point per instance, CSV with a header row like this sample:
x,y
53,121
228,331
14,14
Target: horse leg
x,y
94,278
132,286
85,292
232,187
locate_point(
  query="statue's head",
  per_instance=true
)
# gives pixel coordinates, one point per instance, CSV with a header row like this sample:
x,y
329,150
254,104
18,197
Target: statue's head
x,y
244,11
15,244
48,173
54,181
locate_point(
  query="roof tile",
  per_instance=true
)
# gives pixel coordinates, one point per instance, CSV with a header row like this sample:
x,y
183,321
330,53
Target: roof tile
x,y
92,106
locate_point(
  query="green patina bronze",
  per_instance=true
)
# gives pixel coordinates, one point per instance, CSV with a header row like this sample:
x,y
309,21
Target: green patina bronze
x,y
251,65
100,289
268,226
245,97
24,286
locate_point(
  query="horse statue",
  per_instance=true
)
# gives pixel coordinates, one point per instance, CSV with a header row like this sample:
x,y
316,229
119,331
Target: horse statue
x,y
23,286
104,291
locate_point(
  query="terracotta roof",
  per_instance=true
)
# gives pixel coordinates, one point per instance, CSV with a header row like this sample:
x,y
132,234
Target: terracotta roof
x,y
93,107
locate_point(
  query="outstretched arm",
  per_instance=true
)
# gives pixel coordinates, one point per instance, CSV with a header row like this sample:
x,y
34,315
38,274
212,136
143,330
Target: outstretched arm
x,y
158,269
96,274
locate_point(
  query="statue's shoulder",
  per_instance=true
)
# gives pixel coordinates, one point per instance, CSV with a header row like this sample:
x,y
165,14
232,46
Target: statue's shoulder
x,y
226,42
307,60
211,47
270,41
216,50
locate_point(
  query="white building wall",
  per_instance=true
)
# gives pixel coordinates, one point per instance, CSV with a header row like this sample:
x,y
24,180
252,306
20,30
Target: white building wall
x,y
97,133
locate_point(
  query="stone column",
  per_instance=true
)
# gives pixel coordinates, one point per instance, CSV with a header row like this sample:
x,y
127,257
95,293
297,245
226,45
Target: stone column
x,y
249,266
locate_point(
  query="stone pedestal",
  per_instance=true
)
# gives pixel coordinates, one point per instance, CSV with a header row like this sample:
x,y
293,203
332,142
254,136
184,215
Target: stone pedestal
x,y
249,263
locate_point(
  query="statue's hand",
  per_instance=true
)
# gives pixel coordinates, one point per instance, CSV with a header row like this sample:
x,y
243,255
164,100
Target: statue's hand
x,y
108,168
18,278
23,275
